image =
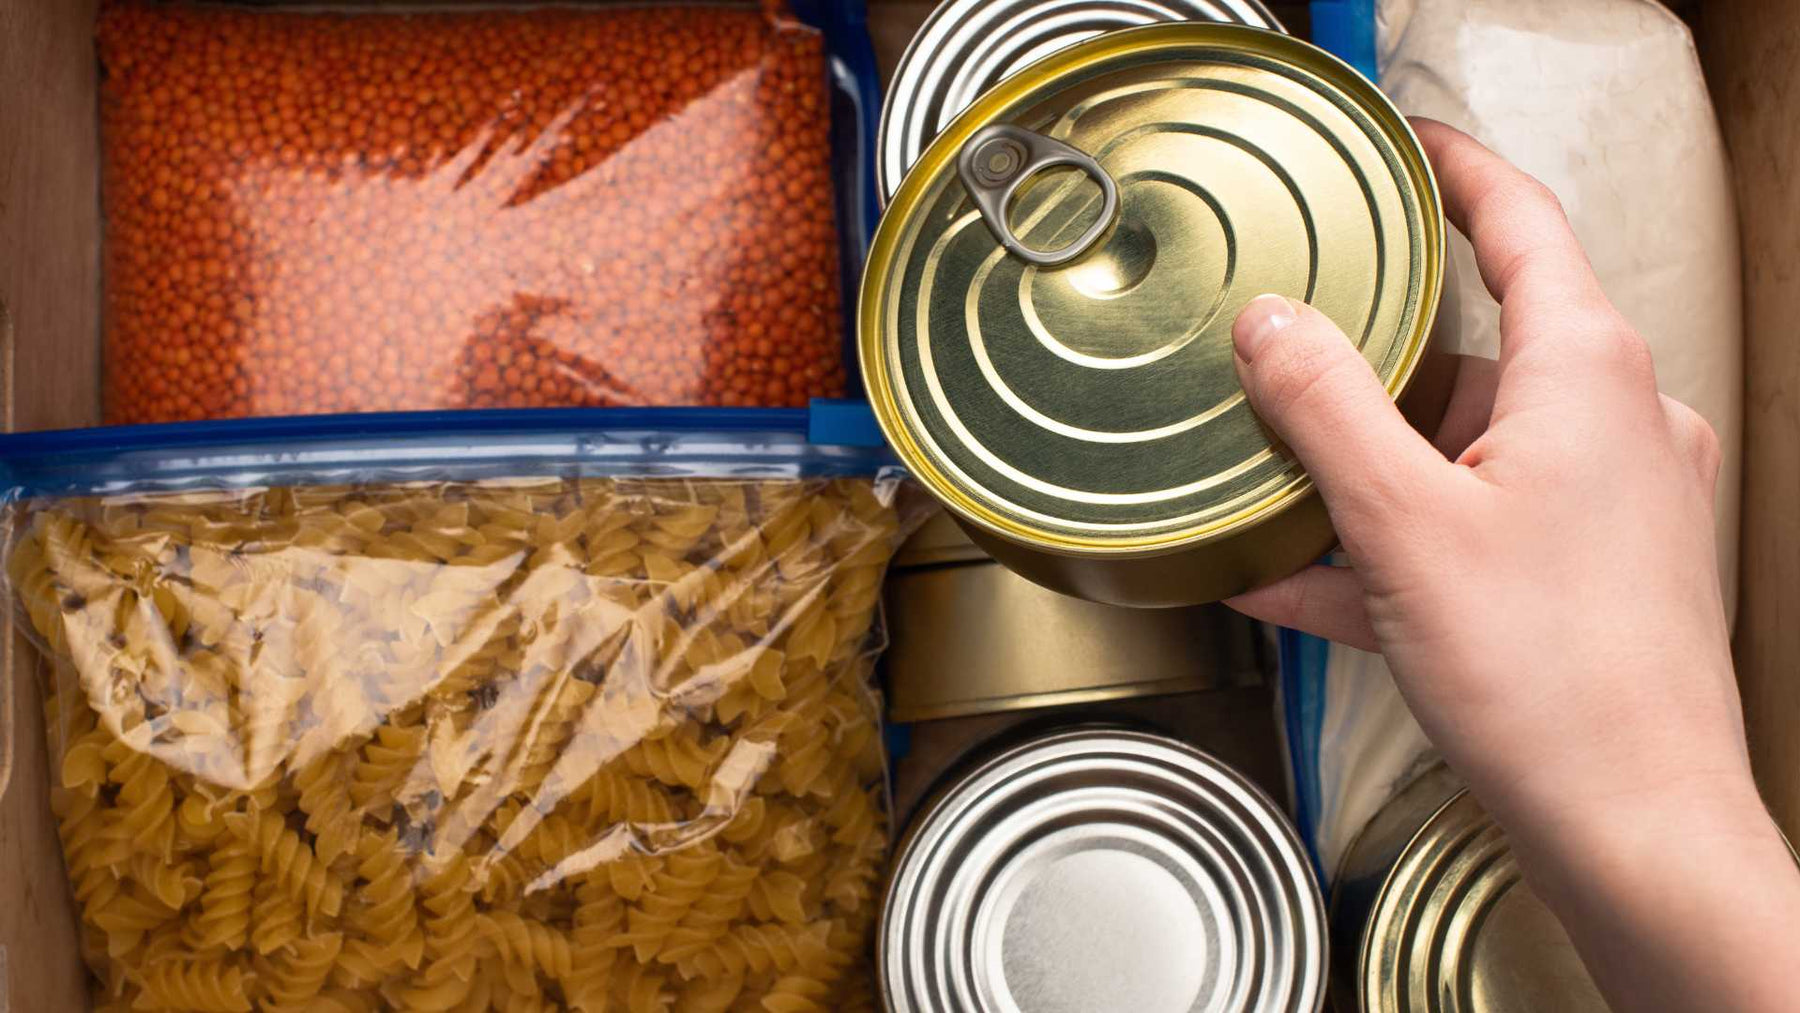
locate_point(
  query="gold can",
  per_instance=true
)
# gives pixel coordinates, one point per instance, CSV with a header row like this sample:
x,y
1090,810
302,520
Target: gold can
x,y
1431,915
975,638
1046,309
939,541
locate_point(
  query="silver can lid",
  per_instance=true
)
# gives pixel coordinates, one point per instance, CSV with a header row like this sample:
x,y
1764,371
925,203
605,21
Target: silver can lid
x,y
967,46
1101,869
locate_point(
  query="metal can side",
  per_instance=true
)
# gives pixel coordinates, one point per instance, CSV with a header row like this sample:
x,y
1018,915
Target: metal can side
x,y
1101,868
1005,400
965,47
1431,915
976,638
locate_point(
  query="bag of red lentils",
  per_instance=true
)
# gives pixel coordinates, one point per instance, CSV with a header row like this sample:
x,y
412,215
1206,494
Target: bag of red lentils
x,y
318,210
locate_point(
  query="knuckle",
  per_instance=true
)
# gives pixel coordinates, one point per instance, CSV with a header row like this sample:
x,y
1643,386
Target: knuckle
x,y
1537,192
1703,441
1683,418
1694,436
1617,347
1402,505
1513,198
1711,454
1631,351
1382,512
1517,194
1708,439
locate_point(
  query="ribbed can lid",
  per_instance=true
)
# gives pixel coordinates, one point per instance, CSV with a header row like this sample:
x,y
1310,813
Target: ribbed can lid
x,y
1102,869
1049,350
1457,930
967,46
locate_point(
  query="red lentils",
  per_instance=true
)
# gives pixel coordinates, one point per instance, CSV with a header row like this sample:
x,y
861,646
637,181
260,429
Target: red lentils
x,y
335,212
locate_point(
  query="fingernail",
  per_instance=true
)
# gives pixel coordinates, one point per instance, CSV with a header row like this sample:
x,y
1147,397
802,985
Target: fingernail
x,y
1264,316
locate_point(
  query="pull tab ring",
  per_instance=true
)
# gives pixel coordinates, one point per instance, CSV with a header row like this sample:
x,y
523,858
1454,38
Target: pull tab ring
x,y
999,159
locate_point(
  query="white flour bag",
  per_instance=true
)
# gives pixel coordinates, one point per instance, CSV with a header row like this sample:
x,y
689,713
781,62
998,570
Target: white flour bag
x,y
1604,101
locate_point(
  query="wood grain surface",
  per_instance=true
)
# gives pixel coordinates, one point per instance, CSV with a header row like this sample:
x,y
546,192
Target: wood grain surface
x,y
50,368
1751,51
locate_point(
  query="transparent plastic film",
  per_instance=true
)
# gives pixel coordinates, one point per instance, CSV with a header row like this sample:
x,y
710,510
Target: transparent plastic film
x,y
550,743
385,209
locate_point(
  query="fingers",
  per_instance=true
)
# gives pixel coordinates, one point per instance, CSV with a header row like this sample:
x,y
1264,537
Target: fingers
x,y
1326,601
1471,405
1529,256
1550,300
1314,389
1523,242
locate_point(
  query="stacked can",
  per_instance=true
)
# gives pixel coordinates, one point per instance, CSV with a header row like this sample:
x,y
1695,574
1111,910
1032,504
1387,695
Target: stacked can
x,y
968,636
1074,216
1431,915
967,46
1101,869
1046,309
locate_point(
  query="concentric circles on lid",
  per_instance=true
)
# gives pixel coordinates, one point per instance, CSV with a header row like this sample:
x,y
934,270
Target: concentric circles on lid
x,y
1456,929
1094,408
1100,869
967,46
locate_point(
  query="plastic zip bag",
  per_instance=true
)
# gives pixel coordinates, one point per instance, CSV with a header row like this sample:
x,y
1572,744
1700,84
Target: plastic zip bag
x,y
316,211
348,717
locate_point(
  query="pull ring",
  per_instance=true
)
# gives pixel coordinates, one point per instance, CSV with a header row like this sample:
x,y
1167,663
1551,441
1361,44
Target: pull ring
x,y
999,159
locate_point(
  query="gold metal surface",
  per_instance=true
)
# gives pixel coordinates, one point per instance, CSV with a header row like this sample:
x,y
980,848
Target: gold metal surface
x,y
939,540
1092,412
1429,914
1453,928
975,638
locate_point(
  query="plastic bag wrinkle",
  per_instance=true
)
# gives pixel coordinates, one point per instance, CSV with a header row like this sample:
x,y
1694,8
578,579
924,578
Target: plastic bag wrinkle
x,y
383,209
458,745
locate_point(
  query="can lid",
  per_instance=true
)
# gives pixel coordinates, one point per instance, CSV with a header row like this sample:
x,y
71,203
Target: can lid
x,y
967,46
1094,407
1102,869
1456,929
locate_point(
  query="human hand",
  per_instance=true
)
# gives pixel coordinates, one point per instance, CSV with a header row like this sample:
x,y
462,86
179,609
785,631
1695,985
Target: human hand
x,y
1542,582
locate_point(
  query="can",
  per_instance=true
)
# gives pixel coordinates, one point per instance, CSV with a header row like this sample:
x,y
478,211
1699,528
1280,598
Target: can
x,y
939,541
965,47
1430,915
975,638
1101,869
1045,314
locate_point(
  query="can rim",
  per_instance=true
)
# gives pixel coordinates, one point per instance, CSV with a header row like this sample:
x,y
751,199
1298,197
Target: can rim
x,y
1390,884
885,187
941,154
885,125
963,768
1440,822
979,760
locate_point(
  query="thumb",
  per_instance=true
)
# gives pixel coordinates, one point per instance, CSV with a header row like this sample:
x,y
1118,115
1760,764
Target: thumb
x,y
1309,384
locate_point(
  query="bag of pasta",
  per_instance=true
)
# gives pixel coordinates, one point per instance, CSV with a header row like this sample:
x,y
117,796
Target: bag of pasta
x,y
580,723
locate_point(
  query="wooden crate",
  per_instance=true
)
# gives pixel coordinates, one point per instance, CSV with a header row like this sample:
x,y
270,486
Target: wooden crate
x,y
49,371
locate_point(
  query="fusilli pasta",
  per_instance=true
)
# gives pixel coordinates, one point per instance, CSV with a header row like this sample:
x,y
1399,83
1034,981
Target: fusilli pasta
x,y
517,745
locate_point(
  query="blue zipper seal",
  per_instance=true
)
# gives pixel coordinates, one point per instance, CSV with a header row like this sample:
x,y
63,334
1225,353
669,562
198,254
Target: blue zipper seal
x,y
1346,29
836,439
